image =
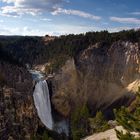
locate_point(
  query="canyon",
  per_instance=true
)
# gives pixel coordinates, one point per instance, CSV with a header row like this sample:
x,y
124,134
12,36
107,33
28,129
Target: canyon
x,y
101,74
103,77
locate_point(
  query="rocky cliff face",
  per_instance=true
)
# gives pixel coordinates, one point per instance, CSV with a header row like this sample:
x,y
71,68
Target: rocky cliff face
x,y
18,118
103,76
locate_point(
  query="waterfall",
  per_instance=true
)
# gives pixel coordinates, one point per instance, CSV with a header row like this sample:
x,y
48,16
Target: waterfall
x,y
42,103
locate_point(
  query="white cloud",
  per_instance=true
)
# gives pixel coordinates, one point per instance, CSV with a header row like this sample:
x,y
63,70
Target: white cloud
x,y
117,29
76,13
9,15
5,31
125,20
135,13
17,11
33,3
46,19
20,31
59,30
34,7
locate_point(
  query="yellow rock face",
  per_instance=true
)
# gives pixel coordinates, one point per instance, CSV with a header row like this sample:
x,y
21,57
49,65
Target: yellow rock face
x,y
100,75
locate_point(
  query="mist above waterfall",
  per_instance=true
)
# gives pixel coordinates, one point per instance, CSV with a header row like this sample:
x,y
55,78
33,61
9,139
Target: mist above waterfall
x,y
43,104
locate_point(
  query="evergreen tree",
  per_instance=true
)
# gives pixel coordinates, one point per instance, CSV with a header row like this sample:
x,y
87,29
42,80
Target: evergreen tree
x,y
98,123
129,118
79,122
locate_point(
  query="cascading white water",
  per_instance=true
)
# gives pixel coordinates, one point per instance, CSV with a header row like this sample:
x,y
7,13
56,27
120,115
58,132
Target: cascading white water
x,y
42,103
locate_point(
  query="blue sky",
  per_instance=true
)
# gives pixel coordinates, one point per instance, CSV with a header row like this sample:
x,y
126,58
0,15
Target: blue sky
x,y
56,17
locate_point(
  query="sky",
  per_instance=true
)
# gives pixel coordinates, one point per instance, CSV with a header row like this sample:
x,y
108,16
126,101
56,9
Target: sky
x,y
58,17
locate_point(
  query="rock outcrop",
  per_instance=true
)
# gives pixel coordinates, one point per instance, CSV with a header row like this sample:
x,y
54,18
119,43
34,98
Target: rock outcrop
x,y
18,118
103,76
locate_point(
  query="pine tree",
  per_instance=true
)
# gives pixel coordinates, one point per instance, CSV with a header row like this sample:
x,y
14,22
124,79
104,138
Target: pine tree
x,y
98,123
79,122
129,118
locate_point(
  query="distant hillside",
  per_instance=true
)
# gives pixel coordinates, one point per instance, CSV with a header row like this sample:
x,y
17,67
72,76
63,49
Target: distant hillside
x,y
37,50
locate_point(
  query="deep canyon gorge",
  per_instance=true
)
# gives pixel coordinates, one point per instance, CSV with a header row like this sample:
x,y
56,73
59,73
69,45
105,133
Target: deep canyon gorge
x,y
99,70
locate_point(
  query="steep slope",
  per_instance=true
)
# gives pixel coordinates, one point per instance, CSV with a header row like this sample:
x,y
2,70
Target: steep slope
x,y
103,76
18,118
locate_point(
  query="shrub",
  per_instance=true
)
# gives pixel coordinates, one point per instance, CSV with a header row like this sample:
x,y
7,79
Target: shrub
x,y
98,123
129,119
79,122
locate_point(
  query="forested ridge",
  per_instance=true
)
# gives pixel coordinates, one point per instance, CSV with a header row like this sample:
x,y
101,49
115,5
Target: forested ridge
x,y
34,50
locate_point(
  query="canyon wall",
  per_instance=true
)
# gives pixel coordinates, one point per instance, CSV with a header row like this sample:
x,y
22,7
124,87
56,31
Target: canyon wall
x,y
104,77
18,118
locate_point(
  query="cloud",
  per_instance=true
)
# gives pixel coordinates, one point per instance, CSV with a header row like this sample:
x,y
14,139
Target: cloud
x,y
32,7
76,13
17,11
60,29
46,19
71,29
17,8
135,13
34,3
125,20
21,31
117,29
5,31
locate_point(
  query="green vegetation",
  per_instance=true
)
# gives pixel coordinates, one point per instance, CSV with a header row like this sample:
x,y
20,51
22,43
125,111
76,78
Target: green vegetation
x,y
129,118
79,122
82,124
55,64
33,50
48,135
127,136
45,136
71,45
98,123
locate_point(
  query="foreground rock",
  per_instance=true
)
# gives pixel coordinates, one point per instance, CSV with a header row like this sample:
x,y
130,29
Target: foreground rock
x,y
107,135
